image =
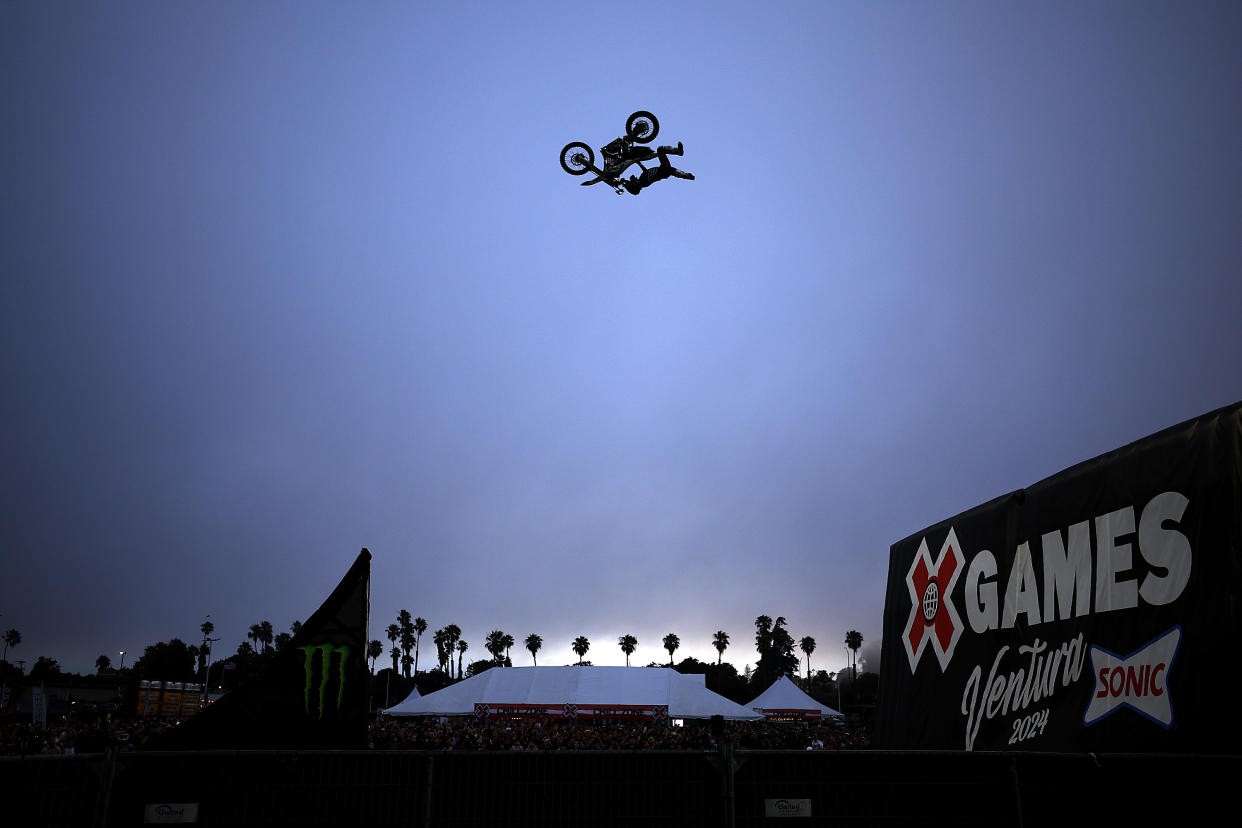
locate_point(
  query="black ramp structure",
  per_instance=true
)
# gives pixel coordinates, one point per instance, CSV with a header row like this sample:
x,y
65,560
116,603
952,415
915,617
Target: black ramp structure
x,y
313,695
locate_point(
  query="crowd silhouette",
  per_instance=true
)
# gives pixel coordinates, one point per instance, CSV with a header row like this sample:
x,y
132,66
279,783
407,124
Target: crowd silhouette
x,y
467,733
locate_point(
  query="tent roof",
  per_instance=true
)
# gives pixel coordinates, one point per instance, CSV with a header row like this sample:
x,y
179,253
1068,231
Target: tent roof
x,y
686,696
786,697
413,696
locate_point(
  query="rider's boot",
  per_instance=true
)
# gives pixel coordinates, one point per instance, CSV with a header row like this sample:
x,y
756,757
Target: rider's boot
x,y
677,150
683,174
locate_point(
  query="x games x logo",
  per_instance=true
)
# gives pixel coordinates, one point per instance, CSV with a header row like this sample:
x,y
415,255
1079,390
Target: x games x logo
x,y
932,614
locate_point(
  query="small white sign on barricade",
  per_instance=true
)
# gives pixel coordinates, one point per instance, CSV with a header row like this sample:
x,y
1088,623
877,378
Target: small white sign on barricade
x,y
787,807
170,812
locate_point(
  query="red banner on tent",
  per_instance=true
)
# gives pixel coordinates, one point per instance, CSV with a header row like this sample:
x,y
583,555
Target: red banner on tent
x,y
492,710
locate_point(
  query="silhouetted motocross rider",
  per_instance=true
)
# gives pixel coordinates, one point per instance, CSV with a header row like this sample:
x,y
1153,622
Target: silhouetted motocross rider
x,y
619,154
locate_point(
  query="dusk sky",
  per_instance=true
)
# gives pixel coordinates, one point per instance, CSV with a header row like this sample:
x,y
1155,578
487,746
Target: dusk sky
x,y
282,280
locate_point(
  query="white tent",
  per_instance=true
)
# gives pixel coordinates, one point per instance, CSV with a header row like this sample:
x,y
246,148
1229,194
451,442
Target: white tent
x,y
785,700
576,691
410,699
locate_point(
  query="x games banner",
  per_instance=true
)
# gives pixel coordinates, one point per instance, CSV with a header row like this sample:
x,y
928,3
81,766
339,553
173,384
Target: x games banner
x,y
1096,611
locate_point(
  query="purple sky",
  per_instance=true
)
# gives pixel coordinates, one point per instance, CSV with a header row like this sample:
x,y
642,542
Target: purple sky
x,y
286,279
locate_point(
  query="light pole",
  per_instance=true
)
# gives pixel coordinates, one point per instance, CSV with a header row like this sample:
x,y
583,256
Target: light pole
x,y
202,698
122,667
847,666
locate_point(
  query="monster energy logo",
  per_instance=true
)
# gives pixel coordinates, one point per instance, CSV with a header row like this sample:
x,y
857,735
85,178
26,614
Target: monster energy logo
x,y
326,651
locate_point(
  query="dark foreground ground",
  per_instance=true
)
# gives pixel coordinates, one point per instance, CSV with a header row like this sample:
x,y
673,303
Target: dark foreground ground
x,y
724,787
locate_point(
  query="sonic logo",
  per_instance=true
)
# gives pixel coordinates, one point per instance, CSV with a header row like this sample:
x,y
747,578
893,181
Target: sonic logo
x,y
1139,681
326,651
933,618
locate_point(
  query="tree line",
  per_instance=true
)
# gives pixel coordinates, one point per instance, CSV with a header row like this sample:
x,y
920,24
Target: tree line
x,y
176,660
773,642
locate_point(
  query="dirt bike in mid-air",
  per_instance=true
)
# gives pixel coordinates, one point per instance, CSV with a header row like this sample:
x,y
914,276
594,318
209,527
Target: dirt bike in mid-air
x,y
578,158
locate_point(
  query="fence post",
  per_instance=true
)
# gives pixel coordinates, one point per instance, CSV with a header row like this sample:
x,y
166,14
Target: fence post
x,y
103,799
1017,789
427,786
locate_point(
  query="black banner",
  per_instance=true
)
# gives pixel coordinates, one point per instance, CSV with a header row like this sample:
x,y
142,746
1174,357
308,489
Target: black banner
x,y
313,694
1096,611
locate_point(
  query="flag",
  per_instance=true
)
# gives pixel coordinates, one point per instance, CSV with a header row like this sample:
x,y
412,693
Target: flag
x,y
313,694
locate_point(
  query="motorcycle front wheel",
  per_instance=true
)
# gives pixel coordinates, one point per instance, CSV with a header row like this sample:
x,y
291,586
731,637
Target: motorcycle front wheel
x,y
577,158
642,127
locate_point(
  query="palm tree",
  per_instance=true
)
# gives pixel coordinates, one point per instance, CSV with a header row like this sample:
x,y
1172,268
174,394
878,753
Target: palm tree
x,y
406,640
438,638
102,663
266,634
11,639
462,646
204,652
255,635
405,633
671,643
580,646
628,645
406,661
854,640
533,643
507,641
420,627
720,640
393,632
283,638
807,644
452,634
495,645
763,635
375,649
396,657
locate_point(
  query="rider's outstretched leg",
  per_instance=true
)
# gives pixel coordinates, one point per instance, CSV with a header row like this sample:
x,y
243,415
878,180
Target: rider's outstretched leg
x,y
682,174
677,150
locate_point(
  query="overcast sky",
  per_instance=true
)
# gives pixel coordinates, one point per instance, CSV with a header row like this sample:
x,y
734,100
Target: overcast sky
x,y
282,280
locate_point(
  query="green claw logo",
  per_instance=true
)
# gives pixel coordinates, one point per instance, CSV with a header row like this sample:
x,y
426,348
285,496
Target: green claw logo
x,y
326,651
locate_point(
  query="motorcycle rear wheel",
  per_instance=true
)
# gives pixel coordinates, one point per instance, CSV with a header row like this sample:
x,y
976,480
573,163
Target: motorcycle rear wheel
x,y
577,158
642,127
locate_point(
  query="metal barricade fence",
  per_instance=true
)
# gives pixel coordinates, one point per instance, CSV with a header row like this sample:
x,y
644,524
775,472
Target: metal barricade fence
x,y
872,788
51,790
621,788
